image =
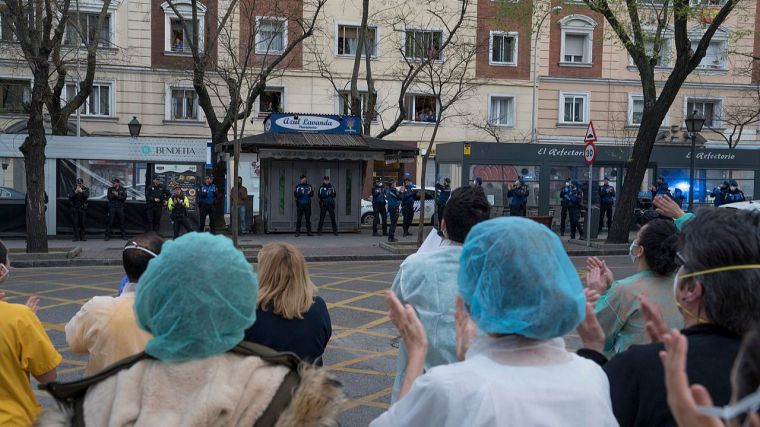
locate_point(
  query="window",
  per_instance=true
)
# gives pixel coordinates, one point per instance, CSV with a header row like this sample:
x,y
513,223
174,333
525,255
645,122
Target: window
x,y
6,32
503,48
184,104
344,104
498,177
705,180
99,101
715,3
715,56
573,108
421,108
577,39
665,51
271,101
348,39
502,111
271,35
710,109
15,96
83,29
178,30
423,44
635,109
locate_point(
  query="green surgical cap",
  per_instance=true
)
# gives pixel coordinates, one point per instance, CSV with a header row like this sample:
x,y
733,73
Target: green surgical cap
x,y
516,278
197,298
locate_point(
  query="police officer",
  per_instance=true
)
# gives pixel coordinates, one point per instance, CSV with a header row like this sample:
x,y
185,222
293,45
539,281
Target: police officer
x,y
326,196
606,202
117,197
478,182
207,205
303,194
407,204
719,194
733,194
661,189
574,201
378,207
78,197
393,197
563,194
442,194
178,205
519,192
155,199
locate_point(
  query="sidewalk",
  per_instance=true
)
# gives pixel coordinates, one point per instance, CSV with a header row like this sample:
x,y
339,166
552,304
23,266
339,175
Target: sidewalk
x,y
360,246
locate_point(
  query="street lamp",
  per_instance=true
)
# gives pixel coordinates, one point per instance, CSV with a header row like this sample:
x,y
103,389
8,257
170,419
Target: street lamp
x,y
555,10
694,123
134,127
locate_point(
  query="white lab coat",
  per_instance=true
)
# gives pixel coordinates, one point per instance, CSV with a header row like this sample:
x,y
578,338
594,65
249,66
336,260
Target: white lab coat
x,y
508,381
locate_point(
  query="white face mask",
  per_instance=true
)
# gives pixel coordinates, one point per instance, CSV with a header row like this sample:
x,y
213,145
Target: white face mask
x,y
517,183
733,188
630,252
567,184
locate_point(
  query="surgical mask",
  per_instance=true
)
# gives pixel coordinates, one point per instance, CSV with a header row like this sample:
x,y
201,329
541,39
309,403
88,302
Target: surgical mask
x,y
704,273
567,184
630,252
733,188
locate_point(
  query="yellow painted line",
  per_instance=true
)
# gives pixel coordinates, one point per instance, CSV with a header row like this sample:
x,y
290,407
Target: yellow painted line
x,y
363,372
366,399
361,328
362,309
363,358
70,370
54,326
73,362
358,350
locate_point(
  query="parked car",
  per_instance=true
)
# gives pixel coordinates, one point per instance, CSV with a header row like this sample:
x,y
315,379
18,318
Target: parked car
x,y
429,208
749,205
7,193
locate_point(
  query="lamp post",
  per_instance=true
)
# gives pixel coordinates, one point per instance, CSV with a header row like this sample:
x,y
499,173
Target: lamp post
x,y
554,10
134,127
694,123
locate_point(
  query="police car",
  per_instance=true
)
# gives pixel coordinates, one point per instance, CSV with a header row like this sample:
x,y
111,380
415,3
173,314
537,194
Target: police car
x,y
429,208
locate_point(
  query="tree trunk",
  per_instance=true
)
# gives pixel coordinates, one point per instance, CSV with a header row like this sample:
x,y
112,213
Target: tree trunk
x,y
423,171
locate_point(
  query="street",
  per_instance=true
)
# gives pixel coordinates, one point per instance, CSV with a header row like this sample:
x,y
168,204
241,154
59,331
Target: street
x,y
362,352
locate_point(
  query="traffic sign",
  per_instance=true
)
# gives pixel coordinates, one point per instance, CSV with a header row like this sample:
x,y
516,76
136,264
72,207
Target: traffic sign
x,y
590,133
589,153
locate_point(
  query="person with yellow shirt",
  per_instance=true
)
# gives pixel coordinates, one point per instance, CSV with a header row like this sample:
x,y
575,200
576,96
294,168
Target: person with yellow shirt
x,y
178,205
25,349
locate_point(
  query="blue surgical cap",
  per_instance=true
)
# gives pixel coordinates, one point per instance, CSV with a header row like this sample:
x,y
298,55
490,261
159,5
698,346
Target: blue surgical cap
x,y
516,278
197,298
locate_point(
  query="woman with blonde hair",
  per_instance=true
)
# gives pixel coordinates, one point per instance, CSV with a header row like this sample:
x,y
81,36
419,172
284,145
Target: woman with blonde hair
x,y
289,315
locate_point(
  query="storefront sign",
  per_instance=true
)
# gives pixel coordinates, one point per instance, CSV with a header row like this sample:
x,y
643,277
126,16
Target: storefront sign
x,y
168,150
299,123
319,154
560,152
709,155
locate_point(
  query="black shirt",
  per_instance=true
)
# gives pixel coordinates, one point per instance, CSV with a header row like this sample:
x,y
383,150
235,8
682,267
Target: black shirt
x,y
305,337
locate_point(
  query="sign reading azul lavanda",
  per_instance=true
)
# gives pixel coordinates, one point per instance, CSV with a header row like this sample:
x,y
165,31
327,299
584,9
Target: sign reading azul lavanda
x,y
302,123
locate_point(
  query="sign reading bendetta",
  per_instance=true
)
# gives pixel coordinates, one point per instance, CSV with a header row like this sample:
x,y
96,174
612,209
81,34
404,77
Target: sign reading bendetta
x,y
300,123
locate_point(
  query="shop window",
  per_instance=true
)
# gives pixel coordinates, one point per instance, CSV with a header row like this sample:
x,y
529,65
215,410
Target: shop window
x,y
13,178
503,48
574,108
344,105
271,35
183,104
577,40
421,108
15,96
98,175
705,180
502,111
423,44
178,29
348,40
83,29
453,171
98,103
498,178
708,108
349,188
271,101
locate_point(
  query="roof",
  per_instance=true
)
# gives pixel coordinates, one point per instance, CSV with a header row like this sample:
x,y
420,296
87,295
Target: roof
x,y
322,141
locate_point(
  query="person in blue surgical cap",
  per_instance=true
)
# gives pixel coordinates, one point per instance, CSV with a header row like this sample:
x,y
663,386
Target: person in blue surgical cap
x,y
516,371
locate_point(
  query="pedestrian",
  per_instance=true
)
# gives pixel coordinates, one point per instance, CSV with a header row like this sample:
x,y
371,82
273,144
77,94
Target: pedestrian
x,y
442,194
327,195
564,195
303,194
678,196
408,197
661,188
197,370
378,207
178,206
733,194
427,280
78,197
240,193
25,350
606,202
393,198
511,315
207,205
290,316
117,197
519,193
574,200
156,196
653,253
719,193
105,328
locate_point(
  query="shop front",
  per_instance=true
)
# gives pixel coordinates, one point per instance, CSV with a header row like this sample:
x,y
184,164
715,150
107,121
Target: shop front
x,y
545,167
98,160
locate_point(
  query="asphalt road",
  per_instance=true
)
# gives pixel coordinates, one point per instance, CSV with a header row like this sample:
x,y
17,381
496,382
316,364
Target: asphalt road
x,y
362,352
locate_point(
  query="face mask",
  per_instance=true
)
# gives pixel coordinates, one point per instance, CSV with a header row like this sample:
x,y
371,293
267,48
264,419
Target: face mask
x,y
704,273
517,183
567,184
630,252
733,188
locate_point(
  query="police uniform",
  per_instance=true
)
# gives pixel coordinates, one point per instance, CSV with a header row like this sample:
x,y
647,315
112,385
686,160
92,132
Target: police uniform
x,y
442,194
378,208
574,201
178,206
407,205
606,202
207,206
303,194
563,193
719,193
79,209
155,198
117,198
394,201
326,196
661,189
733,194
518,205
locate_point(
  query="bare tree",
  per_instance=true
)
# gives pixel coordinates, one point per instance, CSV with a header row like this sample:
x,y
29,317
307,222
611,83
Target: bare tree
x,y
39,27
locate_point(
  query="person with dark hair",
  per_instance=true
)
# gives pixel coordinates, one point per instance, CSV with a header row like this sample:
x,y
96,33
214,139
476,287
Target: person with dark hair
x,y
239,192
518,193
156,196
303,194
574,200
428,280
407,204
661,188
716,292
442,194
326,196
719,193
564,195
653,252
117,198
393,198
178,205
207,205
105,327
78,197
733,194
378,207
606,202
